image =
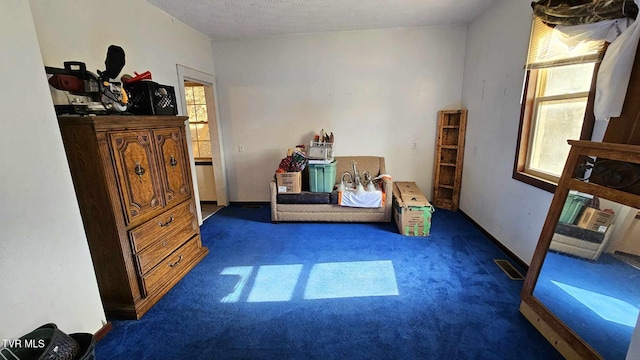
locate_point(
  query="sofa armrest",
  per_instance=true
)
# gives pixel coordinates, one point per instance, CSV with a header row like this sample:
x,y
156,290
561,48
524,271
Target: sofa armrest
x,y
387,185
273,189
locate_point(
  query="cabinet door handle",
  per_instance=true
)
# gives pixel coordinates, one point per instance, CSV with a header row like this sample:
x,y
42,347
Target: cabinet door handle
x,y
176,263
139,170
165,243
167,223
173,162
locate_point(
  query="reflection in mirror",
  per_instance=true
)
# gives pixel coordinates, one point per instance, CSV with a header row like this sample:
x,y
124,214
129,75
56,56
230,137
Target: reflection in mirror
x,y
590,277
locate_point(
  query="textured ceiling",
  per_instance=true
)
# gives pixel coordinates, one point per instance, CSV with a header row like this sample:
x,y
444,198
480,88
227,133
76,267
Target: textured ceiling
x,y
232,19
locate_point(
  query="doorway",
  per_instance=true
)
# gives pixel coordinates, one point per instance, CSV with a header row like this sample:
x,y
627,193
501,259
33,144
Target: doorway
x,y
198,100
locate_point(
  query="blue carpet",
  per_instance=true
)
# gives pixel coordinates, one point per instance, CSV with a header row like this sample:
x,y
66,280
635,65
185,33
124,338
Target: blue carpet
x,y
598,300
335,291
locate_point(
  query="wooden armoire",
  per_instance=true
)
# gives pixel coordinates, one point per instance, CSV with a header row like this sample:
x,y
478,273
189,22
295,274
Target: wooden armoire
x,y
133,184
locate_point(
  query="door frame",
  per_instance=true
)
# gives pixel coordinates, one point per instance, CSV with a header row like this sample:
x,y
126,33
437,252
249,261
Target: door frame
x,y
215,132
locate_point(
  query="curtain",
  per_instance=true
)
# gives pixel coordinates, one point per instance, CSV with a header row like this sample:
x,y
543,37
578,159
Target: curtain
x,y
576,12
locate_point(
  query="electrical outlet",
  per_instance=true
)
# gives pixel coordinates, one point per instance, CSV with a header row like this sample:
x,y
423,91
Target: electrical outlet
x,y
414,145
240,148
475,149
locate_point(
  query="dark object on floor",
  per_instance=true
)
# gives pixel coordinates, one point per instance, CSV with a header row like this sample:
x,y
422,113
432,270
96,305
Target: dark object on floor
x,y
46,342
87,345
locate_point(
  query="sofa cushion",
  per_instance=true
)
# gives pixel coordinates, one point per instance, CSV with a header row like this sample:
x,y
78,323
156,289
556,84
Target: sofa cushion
x,y
304,197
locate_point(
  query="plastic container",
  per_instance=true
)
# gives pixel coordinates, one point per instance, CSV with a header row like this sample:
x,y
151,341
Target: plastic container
x,y
322,177
320,150
572,208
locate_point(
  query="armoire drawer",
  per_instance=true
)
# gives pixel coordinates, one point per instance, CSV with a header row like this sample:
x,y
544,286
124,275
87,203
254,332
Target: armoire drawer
x,y
156,252
167,224
173,267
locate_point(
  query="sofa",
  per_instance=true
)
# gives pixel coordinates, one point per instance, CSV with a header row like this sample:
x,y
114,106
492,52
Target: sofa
x,y
328,212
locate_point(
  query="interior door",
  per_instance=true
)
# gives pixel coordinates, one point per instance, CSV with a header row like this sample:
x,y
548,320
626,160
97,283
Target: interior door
x,y
136,172
174,166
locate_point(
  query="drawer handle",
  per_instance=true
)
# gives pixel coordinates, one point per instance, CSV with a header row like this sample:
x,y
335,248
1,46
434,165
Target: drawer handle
x,y
164,243
177,262
167,223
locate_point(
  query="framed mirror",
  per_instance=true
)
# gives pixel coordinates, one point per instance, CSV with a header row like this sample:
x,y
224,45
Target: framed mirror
x,y
582,290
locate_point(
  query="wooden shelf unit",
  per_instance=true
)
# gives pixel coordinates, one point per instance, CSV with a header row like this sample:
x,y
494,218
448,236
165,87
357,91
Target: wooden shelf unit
x,y
447,178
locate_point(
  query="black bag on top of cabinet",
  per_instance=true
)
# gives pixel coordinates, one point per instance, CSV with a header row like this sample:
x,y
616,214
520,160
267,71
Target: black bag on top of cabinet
x,y
147,97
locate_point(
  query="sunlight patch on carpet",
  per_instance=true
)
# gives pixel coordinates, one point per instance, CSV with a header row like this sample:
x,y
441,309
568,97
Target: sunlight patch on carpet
x,y
607,307
244,273
351,279
275,283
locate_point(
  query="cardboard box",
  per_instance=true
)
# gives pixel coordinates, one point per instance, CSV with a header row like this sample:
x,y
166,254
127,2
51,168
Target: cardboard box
x,y
595,220
289,182
411,209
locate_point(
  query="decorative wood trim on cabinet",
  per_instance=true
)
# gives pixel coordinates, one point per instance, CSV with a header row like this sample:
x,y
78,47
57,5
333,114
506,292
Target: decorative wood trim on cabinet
x,y
132,180
447,180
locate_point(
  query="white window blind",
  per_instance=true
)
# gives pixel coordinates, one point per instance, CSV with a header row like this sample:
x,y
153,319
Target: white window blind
x,y
549,47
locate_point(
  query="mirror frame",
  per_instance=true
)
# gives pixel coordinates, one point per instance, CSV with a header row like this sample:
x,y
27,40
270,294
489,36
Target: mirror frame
x,y
565,340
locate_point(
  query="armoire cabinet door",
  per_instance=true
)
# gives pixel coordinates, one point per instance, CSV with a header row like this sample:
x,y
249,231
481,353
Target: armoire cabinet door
x,y
174,168
133,154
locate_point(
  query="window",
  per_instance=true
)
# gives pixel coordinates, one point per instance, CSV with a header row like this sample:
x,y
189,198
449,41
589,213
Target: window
x,y
198,120
557,105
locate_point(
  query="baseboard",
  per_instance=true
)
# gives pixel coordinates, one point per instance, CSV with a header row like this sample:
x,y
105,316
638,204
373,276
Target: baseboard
x,y
497,242
104,330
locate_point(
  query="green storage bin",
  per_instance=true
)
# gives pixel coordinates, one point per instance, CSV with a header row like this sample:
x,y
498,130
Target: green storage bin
x,y
322,177
572,208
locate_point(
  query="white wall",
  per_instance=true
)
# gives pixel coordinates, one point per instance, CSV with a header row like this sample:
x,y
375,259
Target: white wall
x,y
82,30
378,91
510,210
45,264
44,257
